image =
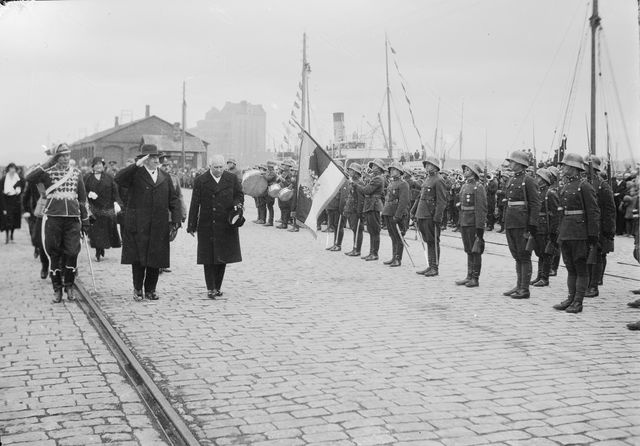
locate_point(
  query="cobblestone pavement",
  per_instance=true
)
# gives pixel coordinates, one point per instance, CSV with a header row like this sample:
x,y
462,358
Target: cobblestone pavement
x,y
59,383
312,347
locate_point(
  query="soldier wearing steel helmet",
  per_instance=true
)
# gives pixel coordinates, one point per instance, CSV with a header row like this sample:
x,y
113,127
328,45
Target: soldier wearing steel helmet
x,y
285,179
521,220
555,186
579,229
607,206
546,238
428,210
353,208
395,211
373,192
473,216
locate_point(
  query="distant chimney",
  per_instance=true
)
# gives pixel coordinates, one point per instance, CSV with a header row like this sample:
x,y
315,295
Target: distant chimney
x,y
147,111
116,123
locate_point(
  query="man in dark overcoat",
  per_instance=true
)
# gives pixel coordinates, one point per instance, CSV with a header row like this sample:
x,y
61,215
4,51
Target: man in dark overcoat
x,y
152,202
216,195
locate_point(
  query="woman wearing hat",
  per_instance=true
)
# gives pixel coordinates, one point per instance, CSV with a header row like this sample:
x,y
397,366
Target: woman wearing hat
x,y
152,203
473,216
12,186
104,201
395,211
372,207
216,200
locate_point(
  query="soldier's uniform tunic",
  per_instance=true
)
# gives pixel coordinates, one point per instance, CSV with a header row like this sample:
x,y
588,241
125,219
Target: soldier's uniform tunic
x,y
64,214
285,180
267,214
579,222
548,220
429,210
341,221
606,204
396,209
521,216
353,206
372,207
473,217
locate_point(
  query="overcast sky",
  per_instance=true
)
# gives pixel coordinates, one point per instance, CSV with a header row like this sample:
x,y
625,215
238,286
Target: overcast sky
x,y
68,67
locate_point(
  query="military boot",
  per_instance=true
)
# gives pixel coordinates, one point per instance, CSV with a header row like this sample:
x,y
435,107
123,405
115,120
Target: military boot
x,y
519,279
475,273
469,272
525,277
565,303
56,281
539,275
576,305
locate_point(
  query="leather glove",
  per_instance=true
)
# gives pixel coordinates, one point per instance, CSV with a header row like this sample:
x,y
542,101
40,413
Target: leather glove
x,y
533,230
479,233
592,240
396,219
85,227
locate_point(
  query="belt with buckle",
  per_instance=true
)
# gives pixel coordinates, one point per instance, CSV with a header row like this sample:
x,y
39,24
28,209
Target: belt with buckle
x,y
467,208
516,203
573,212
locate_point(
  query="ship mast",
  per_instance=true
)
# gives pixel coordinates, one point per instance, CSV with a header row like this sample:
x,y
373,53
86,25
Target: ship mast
x,y
304,118
386,58
595,23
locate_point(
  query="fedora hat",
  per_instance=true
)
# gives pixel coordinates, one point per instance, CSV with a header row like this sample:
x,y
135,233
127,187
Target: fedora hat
x,y
236,217
148,149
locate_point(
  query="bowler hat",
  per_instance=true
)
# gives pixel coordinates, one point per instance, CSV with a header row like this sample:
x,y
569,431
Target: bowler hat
x,y
96,160
236,217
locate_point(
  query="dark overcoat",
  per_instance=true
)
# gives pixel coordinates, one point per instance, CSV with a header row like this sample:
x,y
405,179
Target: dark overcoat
x,y
12,205
104,231
145,233
211,204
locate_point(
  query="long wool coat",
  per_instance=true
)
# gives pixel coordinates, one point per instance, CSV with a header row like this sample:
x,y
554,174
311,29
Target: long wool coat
x,y
211,204
103,232
145,233
12,205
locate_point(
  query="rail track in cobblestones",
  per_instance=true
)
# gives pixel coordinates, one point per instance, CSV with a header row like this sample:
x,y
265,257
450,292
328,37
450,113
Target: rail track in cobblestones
x,y
165,418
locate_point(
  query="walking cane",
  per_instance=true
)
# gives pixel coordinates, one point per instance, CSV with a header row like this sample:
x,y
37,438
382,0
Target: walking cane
x,y
406,245
93,278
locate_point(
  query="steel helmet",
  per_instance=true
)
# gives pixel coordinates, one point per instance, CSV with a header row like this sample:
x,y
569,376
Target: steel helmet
x,y
573,160
520,157
596,162
553,170
396,165
377,162
357,168
545,175
475,168
433,161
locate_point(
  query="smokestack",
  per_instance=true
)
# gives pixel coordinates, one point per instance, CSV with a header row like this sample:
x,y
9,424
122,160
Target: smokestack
x,y
116,123
147,111
338,127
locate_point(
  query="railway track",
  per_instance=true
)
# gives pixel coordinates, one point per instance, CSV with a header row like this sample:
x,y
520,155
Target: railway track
x,y
166,420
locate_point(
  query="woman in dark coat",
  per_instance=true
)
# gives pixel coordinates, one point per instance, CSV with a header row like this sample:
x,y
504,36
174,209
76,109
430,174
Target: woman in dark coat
x,y
11,186
217,194
151,200
102,193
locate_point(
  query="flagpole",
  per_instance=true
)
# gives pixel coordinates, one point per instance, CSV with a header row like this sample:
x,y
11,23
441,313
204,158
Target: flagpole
x,y
184,118
386,58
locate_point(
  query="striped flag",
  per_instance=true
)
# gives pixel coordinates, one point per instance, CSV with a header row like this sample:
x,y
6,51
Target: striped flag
x,y
319,180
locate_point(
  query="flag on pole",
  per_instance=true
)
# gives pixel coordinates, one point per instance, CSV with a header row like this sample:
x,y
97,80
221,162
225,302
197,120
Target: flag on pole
x,y
319,180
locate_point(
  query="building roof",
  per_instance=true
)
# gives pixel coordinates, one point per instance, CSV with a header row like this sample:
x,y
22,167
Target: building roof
x,y
113,130
166,143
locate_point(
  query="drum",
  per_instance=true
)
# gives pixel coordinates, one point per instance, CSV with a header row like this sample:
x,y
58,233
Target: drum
x,y
253,183
285,194
274,190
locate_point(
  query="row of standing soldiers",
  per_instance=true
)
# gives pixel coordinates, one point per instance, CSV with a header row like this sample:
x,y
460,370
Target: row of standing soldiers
x,y
553,212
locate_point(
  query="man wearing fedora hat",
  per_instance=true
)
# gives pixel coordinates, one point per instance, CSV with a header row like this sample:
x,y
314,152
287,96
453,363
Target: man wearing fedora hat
x,y
429,210
232,167
395,211
372,206
215,214
472,219
152,211
65,216
353,208
104,200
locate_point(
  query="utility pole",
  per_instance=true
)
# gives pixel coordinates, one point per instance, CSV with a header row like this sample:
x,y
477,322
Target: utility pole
x,y
386,58
595,23
184,122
